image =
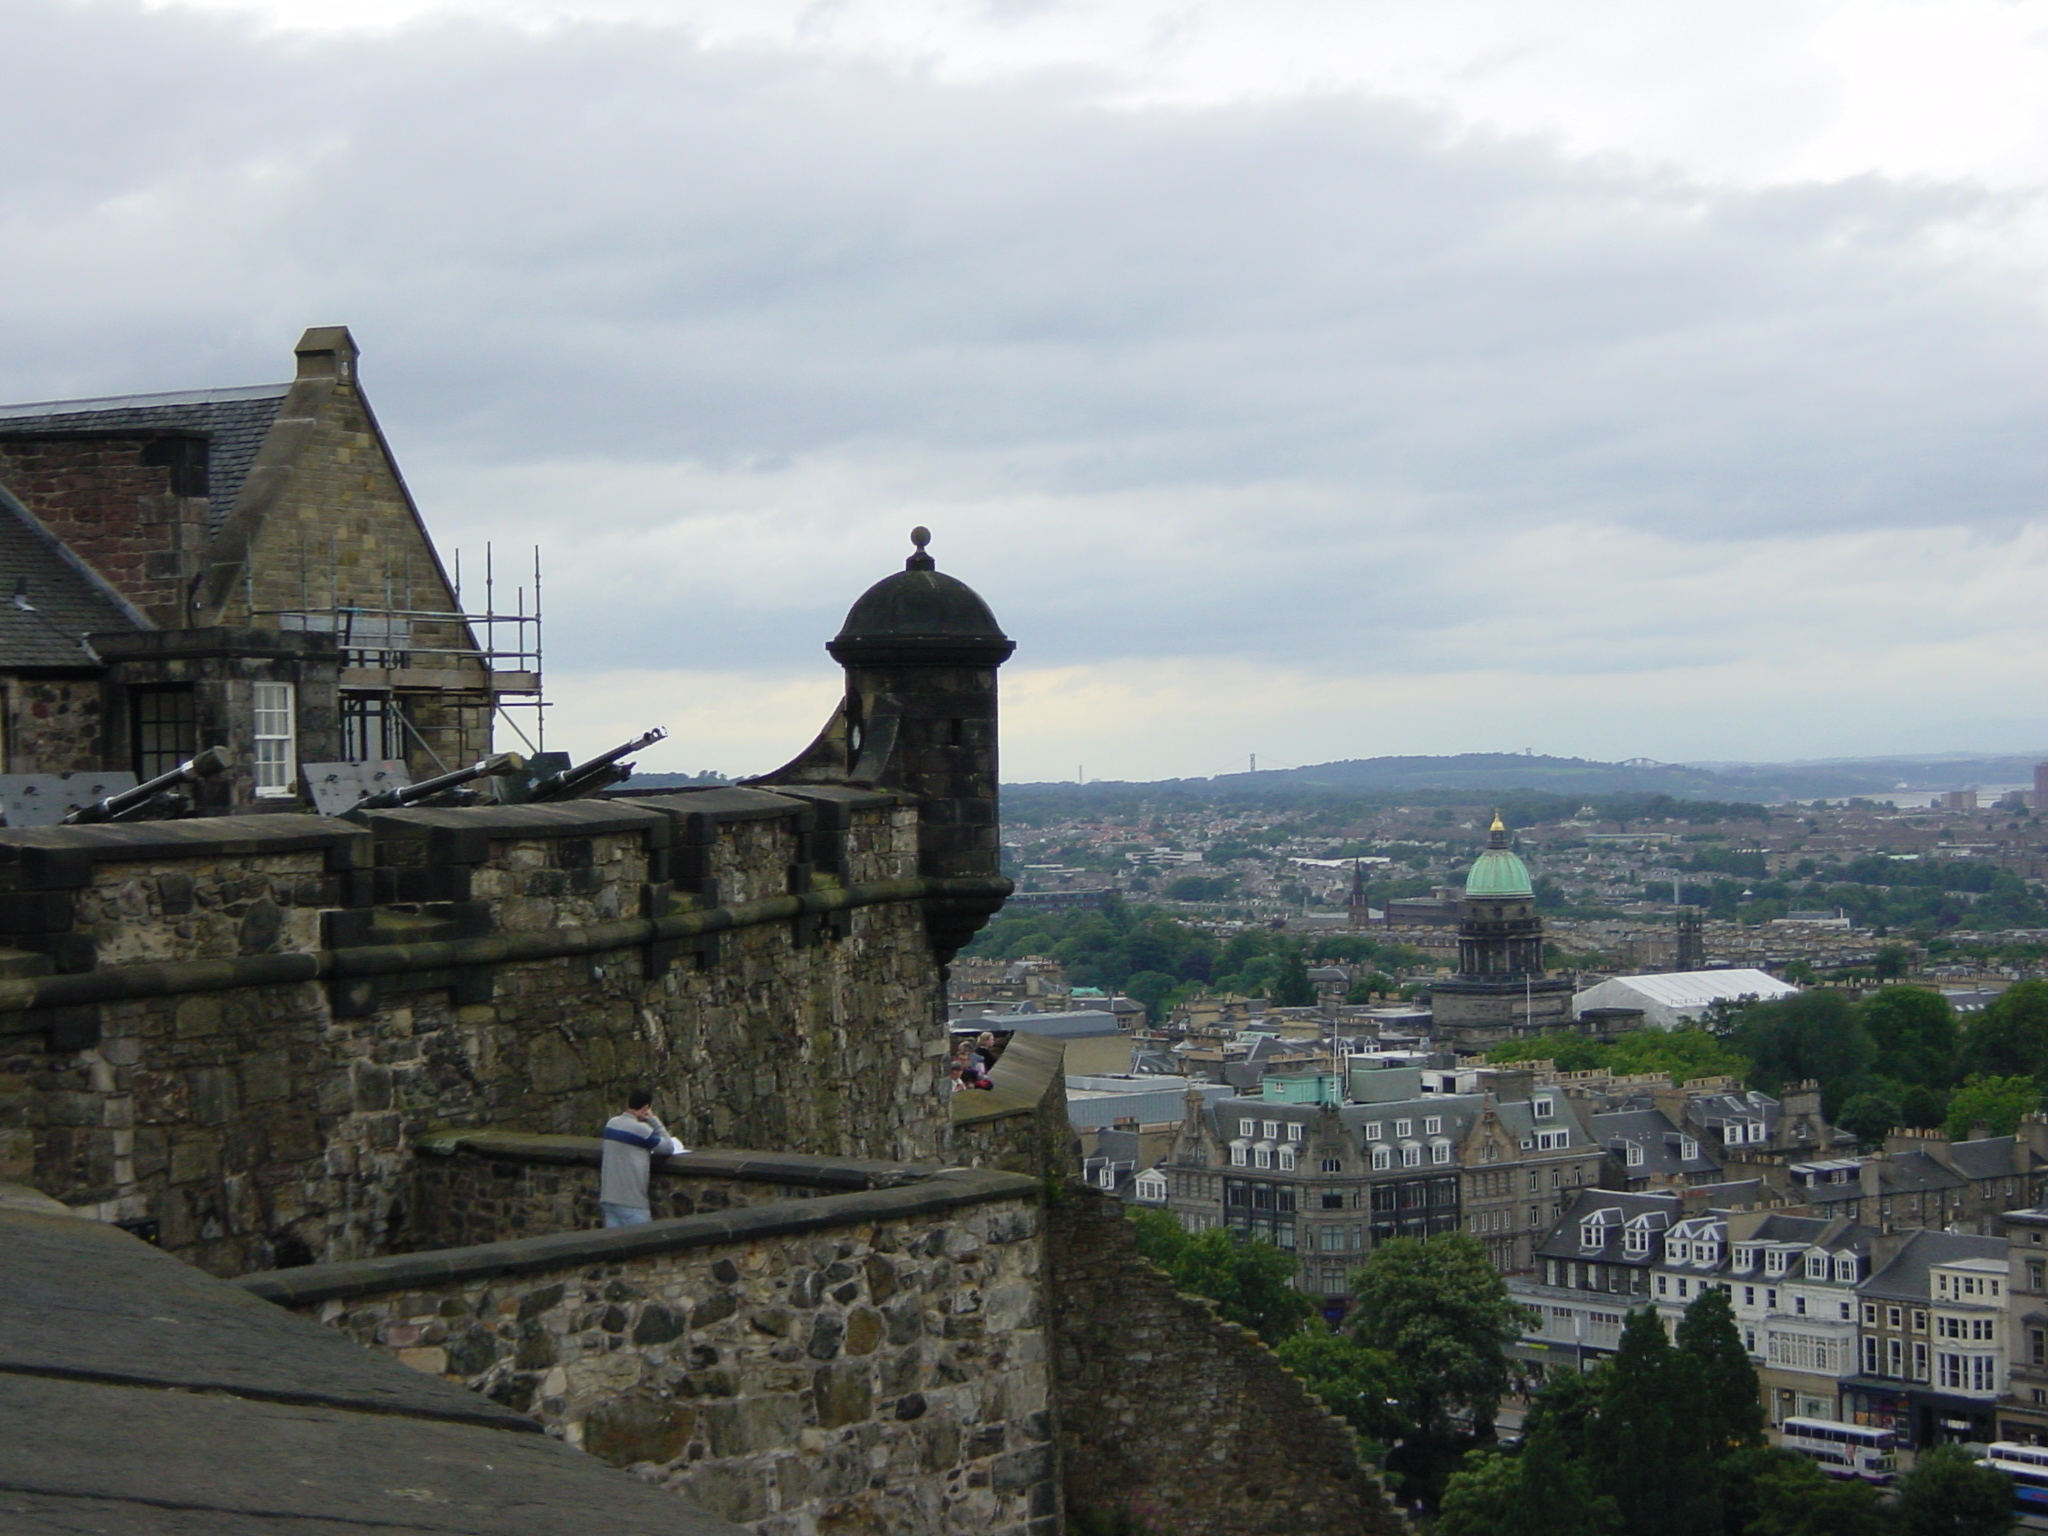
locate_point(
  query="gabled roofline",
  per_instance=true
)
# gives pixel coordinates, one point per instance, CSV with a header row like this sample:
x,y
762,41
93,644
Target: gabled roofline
x,y
70,557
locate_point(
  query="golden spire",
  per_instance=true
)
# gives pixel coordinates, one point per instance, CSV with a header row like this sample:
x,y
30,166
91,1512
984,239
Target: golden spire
x,y
1498,824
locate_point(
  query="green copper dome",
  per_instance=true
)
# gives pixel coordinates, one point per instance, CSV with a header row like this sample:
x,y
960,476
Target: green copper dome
x,y
1498,871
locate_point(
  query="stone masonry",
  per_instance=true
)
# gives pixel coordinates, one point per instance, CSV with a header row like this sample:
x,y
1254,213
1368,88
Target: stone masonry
x,y
180,1048
857,1364
1173,1416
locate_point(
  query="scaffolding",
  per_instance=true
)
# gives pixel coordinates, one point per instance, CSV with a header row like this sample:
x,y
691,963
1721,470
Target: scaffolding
x,y
392,649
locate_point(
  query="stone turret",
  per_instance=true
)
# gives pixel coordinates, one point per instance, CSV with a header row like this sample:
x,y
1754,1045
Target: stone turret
x,y
921,649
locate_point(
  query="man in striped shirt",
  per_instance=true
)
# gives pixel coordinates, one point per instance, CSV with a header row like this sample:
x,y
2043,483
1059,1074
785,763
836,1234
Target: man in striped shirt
x,y
631,1141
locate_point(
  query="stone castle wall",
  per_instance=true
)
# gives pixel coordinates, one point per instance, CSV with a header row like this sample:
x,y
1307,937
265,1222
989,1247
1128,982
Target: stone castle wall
x,y
1171,1415
859,1364
234,1029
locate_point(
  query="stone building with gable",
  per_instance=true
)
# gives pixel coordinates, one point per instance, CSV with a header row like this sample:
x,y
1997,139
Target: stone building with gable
x,y
242,568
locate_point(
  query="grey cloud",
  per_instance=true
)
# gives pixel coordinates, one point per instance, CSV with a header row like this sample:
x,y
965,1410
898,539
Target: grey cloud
x,y
1353,341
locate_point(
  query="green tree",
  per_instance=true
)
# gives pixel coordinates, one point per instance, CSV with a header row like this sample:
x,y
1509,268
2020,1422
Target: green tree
x,y
1652,1450
1914,1032
1793,1497
1251,1282
1291,986
1569,1405
2010,1037
1730,1410
1870,1115
1996,1101
1811,1035
1893,961
1439,1306
1364,1387
1948,1494
1541,1492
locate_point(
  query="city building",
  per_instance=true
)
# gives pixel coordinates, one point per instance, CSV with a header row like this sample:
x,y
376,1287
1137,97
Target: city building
x,y
1500,989
241,568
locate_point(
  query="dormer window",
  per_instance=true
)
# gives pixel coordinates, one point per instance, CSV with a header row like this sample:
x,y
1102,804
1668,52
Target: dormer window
x,y
1262,1156
1845,1267
1433,1126
1756,1130
1681,1252
1373,1130
1776,1261
1382,1158
1633,1152
1732,1134
1745,1256
1239,1154
1294,1130
1816,1266
1272,1130
1403,1129
1439,1151
1247,1129
1636,1240
1543,1109
1689,1149
1287,1159
1411,1154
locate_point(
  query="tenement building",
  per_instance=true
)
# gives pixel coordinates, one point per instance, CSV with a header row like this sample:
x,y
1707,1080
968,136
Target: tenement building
x,y
1331,1182
1501,989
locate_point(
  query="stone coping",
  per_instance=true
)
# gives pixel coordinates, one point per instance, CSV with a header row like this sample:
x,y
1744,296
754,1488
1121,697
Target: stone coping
x,y
1027,1069
942,1189
835,1173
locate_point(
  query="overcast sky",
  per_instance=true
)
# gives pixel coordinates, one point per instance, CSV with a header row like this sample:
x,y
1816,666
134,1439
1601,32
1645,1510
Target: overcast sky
x,y
1308,380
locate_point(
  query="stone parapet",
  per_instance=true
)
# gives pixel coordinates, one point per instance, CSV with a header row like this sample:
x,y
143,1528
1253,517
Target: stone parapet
x,y
231,1031
873,1360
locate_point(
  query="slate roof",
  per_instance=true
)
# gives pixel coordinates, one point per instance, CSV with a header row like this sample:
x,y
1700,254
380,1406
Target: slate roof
x,y
1661,1141
69,600
1658,1209
1081,1024
1907,1276
234,422
1165,1107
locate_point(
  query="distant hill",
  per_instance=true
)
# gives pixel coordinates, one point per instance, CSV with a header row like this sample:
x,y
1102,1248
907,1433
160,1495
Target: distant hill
x,y
1504,772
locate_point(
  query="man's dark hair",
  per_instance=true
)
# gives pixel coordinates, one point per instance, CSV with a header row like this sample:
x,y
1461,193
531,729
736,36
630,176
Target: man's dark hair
x,y
639,1098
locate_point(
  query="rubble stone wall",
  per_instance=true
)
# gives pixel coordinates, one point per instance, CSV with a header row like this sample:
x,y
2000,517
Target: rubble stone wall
x,y
872,1362
1177,1418
214,1074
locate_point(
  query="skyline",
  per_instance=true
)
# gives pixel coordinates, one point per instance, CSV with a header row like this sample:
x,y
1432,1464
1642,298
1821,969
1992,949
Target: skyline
x,y
1289,381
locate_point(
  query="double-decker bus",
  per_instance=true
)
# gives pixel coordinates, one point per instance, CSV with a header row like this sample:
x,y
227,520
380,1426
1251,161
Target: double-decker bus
x,y
1844,1450
2027,1466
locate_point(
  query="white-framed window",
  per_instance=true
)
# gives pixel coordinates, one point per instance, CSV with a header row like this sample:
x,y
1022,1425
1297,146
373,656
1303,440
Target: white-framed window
x,y
1634,1154
1433,1126
1382,1158
1237,1154
1411,1154
276,759
1247,1129
1294,1130
1403,1129
1816,1266
1272,1130
1636,1240
1543,1109
1373,1130
1688,1148
1756,1130
1440,1151
1262,1155
1845,1266
1287,1159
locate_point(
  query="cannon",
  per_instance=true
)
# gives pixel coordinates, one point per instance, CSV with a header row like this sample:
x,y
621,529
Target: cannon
x,y
498,765
155,797
580,779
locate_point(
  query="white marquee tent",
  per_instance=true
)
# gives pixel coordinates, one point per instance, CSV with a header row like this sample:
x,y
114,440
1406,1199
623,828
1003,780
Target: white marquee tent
x,y
1675,999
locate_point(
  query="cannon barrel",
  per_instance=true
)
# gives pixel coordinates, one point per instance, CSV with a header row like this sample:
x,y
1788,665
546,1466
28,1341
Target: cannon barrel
x,y
584,778
203,765
497,764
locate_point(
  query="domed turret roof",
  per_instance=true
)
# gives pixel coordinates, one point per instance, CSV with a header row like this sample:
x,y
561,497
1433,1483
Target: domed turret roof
x,y
920,614
1498,871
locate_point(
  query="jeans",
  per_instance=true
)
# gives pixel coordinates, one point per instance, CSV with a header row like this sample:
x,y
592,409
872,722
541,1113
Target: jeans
x,y
624,1215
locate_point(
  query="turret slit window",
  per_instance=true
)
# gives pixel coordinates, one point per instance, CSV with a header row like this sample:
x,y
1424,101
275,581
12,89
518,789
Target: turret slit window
x,y
276,739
